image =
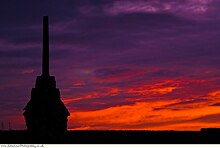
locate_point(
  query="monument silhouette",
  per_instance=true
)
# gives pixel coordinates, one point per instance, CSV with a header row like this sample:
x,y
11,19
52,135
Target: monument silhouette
x,y
45,114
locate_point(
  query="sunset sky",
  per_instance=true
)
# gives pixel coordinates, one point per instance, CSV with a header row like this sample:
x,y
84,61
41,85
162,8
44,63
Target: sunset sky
x,y
119,64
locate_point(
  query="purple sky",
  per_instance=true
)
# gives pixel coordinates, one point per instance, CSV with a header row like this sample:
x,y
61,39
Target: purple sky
x,y
107,54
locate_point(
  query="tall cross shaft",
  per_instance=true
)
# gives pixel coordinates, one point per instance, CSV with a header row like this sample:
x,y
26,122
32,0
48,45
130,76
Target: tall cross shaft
x,y
45,114
45,59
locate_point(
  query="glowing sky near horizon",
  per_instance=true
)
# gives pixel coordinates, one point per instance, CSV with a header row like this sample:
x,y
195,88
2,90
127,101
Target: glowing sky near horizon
x,y
119,64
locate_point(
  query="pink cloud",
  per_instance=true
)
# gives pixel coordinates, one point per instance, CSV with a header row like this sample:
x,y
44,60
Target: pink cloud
x,y
188,8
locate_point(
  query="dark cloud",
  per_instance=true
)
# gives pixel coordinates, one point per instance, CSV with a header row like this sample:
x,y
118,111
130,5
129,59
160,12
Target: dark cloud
x,y
103,102
102,73
188,102
182,104
216,104
165,73
208,118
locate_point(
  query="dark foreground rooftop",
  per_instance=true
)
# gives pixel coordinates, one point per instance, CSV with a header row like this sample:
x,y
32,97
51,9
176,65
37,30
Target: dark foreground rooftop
x,y
118,137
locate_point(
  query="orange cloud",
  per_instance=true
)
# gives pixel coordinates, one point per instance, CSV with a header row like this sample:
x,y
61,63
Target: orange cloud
x,y
160,88
156,110
142,116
